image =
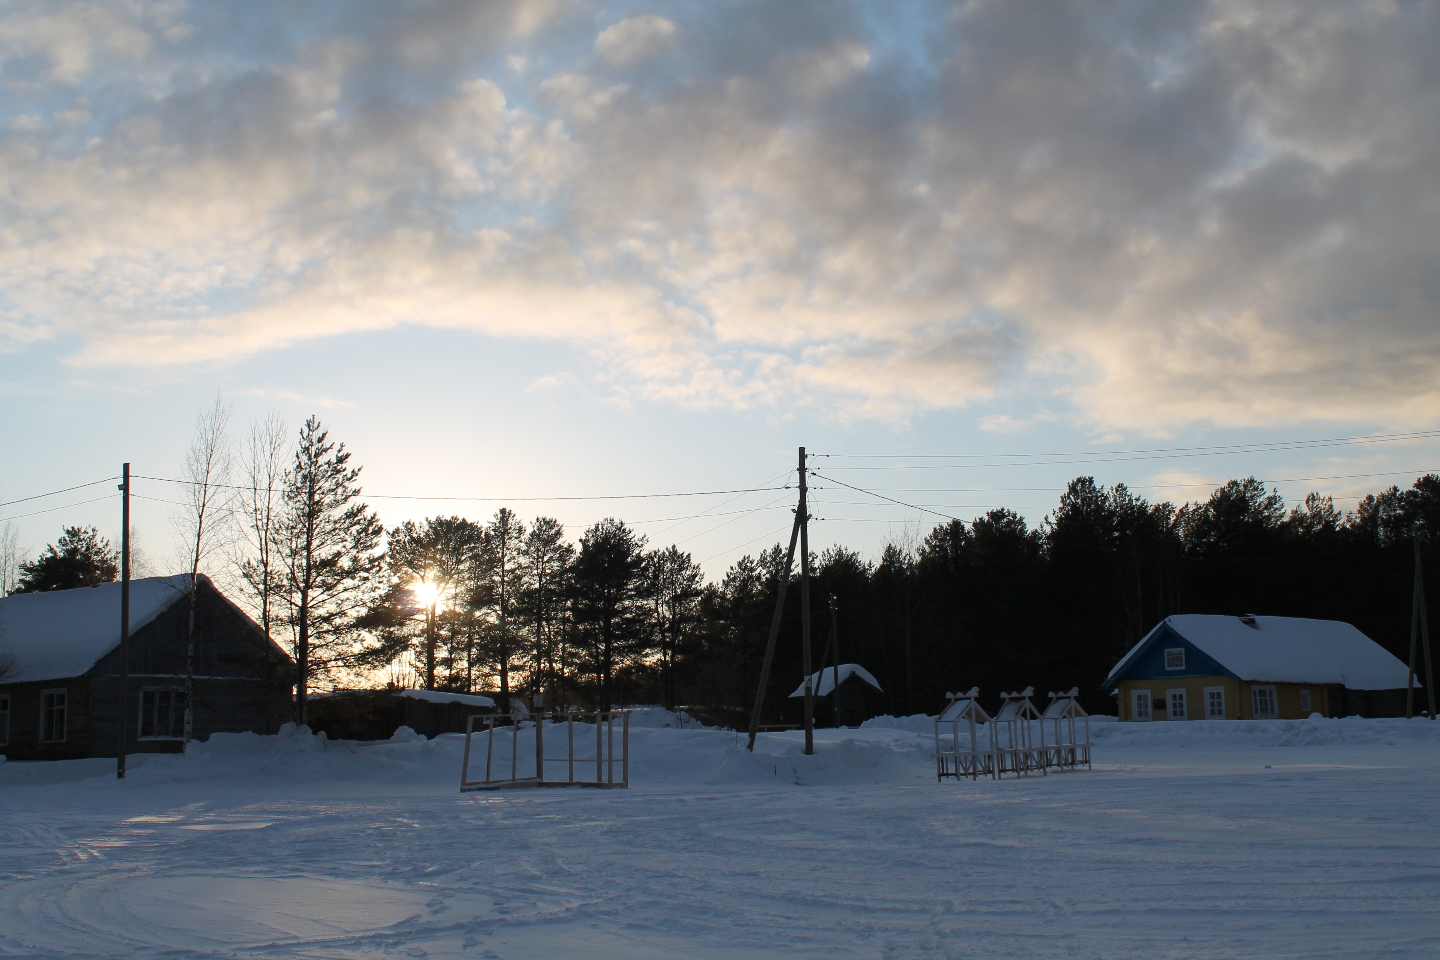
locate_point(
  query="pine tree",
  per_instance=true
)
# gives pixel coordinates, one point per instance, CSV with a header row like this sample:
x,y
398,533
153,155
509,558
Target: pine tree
x,y
673,586
327,560
606,595
80,558
545,560
434,568
503,540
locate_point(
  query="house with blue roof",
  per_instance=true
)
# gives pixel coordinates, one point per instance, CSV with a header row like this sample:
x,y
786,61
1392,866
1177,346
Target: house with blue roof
x,y
1204,667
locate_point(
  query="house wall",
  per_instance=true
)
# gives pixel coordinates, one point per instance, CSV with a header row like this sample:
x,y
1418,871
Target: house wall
x,y
252,692
25,704
1239,704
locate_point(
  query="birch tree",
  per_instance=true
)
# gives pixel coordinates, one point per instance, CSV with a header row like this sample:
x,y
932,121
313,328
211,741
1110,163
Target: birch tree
x,y
204,523
266,450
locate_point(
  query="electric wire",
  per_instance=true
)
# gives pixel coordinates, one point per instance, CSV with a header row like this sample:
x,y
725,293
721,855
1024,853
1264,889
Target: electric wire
x,y
52,493
908,506
747,543
1196,451
394,496
67,506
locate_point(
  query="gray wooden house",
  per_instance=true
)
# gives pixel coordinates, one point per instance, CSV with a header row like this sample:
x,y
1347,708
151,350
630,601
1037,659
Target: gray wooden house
x,y
847,694
60,689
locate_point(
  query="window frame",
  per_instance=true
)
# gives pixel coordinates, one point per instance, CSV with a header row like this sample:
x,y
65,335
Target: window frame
x,y
174,706
1135,697
1170,700
1210,700
1266,688
1180,656
63,710
4,719
1307,702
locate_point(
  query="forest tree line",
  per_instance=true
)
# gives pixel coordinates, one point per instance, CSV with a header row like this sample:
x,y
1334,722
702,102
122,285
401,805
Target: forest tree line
x,y
514,607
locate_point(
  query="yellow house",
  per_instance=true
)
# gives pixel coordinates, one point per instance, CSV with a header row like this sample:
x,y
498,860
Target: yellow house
x,y
1203,667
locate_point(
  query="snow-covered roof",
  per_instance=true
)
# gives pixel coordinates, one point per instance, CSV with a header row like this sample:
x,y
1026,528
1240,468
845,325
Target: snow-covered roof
x,y
62,633
438,696
1286,650
823,681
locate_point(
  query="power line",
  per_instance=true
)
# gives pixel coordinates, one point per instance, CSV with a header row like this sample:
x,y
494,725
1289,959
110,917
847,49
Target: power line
x,y
52,493
67,506
1191,451
747,543
910,506
392,496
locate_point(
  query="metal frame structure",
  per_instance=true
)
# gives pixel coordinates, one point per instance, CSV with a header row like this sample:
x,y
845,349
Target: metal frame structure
x,y
520,770
1012,736
957,739
1066,750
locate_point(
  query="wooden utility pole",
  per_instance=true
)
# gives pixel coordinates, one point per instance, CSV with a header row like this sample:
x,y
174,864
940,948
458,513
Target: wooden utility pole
x,y
120,734
834,647
804,518
774,632
1419,630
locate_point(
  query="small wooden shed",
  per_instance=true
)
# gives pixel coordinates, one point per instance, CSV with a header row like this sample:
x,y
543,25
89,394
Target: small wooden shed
x,y
851,694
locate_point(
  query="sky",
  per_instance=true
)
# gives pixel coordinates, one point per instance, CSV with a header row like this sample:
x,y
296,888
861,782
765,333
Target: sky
x,y
562,249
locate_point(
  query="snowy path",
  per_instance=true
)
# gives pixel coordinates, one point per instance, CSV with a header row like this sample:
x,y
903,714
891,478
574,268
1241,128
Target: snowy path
x,y
1160,852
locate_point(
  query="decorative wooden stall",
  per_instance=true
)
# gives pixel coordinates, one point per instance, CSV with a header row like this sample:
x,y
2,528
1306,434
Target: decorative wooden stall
x,y
1012,736
958,739
1065,732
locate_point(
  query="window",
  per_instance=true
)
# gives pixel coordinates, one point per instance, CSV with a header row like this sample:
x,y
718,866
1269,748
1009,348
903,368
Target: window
x,y
1175,658
1305,707
1140,705
1214,703
52,716
162,714
1177,704
1263,701
4,719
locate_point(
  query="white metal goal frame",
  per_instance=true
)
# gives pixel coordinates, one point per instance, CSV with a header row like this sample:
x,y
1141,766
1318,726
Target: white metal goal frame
x,y
575,768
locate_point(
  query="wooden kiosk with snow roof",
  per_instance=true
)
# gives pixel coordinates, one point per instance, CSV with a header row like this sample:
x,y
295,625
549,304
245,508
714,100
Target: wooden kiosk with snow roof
x,y
1202,667
61,700
852,691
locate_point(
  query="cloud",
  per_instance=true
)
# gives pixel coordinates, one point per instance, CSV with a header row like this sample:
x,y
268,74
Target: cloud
x,y
635,39
1165,212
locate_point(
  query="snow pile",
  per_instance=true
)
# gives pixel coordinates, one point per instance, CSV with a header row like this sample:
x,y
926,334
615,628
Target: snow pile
x,y
917,723
659,717
1338,731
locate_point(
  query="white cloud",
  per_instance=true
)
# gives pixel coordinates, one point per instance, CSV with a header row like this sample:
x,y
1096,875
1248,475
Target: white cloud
x,y
635,39
1166,213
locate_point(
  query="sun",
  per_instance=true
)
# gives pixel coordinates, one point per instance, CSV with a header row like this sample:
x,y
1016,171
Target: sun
x,y
426,593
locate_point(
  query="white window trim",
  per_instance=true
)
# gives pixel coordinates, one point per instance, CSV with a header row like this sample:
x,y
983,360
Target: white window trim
x,y
1149,703
1170,709
140,721
1274,700
1179,650
1307,702
64,727
5,727
1221,691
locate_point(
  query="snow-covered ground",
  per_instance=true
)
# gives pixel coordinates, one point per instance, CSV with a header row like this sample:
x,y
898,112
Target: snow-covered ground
x,y
1188,840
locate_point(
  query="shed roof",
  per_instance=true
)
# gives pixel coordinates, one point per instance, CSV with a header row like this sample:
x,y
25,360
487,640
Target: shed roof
x,y
441,696
63,633
1285,650
823,681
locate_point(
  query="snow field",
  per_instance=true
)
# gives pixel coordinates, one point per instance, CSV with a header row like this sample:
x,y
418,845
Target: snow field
x,y
1188,840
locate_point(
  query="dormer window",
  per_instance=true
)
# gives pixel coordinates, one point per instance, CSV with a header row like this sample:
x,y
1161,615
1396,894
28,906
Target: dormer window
x,y
1175,658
